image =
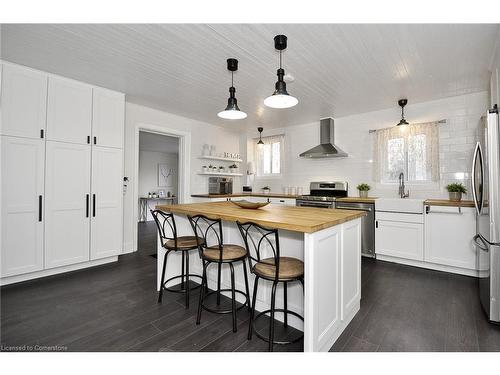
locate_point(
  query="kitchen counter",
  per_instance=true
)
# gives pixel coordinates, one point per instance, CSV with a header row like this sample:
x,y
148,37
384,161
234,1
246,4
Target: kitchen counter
x,y
244,194
448,203
297,219
328,242
357,199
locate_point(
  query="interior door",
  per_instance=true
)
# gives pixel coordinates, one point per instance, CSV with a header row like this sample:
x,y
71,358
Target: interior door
x,y
69,111
67,227
22,177
24,99
107,202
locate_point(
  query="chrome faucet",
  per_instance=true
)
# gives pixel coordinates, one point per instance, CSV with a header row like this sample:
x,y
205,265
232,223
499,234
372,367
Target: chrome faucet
x,y
402,193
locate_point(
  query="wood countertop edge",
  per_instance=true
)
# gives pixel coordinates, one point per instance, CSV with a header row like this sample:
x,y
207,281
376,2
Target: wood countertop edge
x,y
448,203
266,223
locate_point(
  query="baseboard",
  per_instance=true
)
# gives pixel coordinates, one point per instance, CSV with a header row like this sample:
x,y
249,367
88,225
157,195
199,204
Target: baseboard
x,y
430,266
54,271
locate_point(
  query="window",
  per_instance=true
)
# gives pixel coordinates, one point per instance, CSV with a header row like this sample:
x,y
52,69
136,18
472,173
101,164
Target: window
x,y
269,156
413,150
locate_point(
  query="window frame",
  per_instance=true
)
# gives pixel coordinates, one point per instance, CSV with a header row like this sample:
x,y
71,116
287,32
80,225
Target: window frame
x,y
258,155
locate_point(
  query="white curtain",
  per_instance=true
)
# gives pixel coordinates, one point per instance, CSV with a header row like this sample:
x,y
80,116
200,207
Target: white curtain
x,y
411,149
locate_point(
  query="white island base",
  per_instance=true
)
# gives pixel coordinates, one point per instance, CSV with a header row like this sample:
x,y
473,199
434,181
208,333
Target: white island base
x,y
332,259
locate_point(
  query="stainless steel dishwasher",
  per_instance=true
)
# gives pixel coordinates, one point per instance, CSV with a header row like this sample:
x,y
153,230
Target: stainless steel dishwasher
x,y
367,225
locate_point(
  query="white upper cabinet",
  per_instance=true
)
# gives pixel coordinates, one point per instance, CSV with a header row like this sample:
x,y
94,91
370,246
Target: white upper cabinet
x,y
448,236
107,202
69,111
22,178
494,87
68,206
108,118
23,105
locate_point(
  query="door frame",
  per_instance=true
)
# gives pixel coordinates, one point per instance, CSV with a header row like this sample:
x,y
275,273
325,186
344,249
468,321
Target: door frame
x,y
183,180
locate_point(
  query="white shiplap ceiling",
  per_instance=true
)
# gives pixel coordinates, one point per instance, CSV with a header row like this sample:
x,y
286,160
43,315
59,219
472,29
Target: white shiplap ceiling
x,y
339,69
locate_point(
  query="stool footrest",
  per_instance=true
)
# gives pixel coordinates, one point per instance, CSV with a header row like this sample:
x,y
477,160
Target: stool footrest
x,y
180,288
266,339
218,311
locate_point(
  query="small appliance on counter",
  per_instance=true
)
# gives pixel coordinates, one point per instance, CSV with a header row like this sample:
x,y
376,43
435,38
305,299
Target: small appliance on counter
x,y
247,189
220,185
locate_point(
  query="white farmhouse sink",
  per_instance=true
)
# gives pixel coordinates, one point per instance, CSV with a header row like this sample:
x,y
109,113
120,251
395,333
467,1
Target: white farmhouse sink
x,y
406,205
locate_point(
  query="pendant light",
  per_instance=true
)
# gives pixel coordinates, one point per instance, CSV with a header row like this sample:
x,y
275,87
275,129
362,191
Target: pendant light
x,y
232,111
260,143
280,98
402,103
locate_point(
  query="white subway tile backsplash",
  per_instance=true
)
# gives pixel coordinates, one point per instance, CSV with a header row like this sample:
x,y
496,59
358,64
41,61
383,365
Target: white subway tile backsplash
x,y
456,144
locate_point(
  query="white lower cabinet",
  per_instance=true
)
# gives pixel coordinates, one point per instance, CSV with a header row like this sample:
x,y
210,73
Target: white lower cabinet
x,y
107,202
255,199
283,201
67,185
448,236
399,235
22,202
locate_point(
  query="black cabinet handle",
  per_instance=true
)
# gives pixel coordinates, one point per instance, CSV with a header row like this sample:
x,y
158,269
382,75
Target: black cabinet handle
x,y
427,209
93,205
87,197
88,139
39,208
95,140
41,133
376,224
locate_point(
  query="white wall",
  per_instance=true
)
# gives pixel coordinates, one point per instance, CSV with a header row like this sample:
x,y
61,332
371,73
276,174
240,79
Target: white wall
x,y
457,139
148,171
201,133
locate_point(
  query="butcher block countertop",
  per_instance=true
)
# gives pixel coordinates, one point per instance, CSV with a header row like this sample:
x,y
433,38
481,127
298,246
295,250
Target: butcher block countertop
x,y
297,219
448,203
357,199
249,194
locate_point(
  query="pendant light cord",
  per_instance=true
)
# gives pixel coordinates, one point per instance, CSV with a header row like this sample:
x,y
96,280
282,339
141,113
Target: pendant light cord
x,y
280,59
232,83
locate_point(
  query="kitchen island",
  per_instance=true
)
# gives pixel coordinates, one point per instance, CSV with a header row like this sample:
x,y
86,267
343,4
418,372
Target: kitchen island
x,y
329,243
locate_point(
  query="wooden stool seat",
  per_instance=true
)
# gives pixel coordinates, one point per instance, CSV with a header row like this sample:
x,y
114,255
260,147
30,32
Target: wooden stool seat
x,y
230,252
184,243
290,268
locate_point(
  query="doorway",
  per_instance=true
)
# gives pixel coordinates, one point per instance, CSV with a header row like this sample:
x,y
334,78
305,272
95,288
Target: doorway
x,y
157,183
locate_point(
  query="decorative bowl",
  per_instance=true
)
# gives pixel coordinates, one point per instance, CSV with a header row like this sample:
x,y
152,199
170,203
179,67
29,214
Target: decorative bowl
x,y
249,205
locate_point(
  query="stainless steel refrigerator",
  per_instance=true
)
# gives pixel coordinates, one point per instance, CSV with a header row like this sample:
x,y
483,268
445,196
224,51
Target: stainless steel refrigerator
x,y
486,195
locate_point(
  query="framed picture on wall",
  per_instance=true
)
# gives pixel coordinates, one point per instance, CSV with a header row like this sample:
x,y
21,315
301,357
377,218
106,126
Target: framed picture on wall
x,y
165,175
161,193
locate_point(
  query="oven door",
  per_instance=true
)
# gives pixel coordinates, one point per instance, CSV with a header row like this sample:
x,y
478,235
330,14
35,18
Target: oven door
x,y
305,203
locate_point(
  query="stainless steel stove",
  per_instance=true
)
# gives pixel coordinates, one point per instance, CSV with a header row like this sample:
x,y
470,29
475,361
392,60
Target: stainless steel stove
x,y
323,194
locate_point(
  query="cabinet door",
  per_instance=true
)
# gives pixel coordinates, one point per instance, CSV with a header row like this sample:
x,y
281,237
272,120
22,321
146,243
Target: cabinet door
x,y
69,111
22,177
283,201
108,118
67,212
400,239
24,99
107,202
448,237
494,87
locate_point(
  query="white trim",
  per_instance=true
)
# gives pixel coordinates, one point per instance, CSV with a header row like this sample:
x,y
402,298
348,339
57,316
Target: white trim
x,y
183,192
55,271
430,266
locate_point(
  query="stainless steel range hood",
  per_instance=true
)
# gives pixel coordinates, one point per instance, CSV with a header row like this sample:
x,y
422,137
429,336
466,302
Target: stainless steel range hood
x,y
327,147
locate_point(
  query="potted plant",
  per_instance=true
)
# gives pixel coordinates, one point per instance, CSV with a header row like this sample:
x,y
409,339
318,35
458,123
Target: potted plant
x,y
363,190
221,169
204,169
233,168
266,189
455,191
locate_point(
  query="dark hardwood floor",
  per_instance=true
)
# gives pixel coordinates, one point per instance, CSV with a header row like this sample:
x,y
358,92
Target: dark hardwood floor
x,y
114,308
412,309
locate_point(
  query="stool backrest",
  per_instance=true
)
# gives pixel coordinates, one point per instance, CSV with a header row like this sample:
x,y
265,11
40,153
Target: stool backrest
x,y
166,226
210,230
260,242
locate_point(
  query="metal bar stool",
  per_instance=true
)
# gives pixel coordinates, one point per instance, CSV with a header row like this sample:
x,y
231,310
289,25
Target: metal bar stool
x,y
259,244
218,253
171,242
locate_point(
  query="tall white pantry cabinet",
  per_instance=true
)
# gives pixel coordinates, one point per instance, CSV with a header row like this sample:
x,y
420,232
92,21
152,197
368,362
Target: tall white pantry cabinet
x,y
61,174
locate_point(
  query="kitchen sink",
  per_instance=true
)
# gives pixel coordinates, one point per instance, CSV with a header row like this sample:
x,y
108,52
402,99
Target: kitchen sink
x,y
405,205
